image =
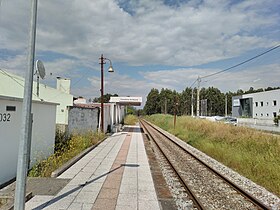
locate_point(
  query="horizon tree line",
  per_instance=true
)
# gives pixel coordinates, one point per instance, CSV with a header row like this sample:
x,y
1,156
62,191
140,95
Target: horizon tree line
x,y
212,101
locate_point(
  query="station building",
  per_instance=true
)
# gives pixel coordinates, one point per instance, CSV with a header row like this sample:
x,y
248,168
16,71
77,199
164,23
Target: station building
x,y
262,105
49,109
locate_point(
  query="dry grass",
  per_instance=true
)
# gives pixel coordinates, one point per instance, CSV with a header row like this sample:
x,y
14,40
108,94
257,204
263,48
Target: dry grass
x,y
75,145
130,119
252,153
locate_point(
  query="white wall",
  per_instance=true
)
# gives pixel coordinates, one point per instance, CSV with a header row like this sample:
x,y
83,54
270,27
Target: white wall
x,y
13,86
43,134
267,97
266,111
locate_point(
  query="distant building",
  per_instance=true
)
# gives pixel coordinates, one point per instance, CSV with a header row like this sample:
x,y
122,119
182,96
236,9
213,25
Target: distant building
x,y
12,85
80,100
262,105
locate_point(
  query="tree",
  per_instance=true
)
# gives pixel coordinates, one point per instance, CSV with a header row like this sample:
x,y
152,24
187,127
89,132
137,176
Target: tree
x,y
239,92
152,105
131,110
215,100
185,101
106,98
166,101
229,102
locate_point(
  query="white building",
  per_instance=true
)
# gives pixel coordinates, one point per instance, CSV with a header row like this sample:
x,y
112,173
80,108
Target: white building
x,y
13,86
262,105
48,108
43,133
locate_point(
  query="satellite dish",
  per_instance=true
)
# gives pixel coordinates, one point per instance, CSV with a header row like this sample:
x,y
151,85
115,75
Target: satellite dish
x,y
40,69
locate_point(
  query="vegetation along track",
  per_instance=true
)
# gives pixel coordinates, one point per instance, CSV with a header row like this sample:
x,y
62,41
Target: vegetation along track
x,y
208,189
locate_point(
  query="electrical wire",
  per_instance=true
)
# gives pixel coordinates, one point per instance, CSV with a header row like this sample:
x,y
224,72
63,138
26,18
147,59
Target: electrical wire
x,y
5,73
16,80
194,82
246,61
239,64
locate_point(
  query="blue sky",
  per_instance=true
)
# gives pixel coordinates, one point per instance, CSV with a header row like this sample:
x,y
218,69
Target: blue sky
x,y
152,43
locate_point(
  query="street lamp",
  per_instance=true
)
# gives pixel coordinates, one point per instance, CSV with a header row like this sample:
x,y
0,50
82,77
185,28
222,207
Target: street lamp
x,y
110,69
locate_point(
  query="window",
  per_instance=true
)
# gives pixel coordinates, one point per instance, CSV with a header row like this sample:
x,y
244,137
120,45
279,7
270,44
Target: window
x,y
261,103
256,114
274,103
261,114
274,114
11,108
256,103
267,103
267,114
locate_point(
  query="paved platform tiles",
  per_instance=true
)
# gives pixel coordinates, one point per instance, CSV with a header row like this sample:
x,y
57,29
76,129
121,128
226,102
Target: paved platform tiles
x,y
115,175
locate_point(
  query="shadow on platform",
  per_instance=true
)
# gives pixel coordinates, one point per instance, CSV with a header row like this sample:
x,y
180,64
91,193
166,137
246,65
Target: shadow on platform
x,y
56,199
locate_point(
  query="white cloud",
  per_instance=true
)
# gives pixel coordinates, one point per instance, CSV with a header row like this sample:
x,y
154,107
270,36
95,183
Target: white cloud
x,y
257,77
157,33
189,34
16,65
179,79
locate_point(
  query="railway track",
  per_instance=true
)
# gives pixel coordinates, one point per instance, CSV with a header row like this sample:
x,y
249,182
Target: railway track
x,y
205,186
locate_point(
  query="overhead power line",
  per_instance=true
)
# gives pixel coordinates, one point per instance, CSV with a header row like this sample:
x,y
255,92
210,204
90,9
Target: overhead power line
x,y
246,61
239,64
193,82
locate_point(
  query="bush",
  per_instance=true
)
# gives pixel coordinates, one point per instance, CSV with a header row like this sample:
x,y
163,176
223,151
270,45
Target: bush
x,y
276,120
65,152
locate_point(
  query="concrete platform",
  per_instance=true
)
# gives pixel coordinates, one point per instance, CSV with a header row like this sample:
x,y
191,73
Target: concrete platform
x,y
115,175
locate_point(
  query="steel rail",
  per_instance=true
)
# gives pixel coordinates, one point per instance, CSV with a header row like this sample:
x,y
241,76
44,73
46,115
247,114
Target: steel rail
x,y
252,199
196,202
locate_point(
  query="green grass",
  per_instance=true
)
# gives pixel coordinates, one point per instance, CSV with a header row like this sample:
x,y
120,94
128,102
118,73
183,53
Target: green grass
x,y
130,119
252,153
66,151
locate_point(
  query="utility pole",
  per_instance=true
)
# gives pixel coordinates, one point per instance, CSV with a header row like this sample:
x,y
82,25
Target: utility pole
x,y
102,93
226,106
26,124
192,103
165,106
197,101
175,111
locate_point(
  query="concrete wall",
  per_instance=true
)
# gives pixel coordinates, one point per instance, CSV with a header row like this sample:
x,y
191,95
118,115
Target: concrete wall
x,y
254,121
266,110
87,117
82,120
13,86
43,134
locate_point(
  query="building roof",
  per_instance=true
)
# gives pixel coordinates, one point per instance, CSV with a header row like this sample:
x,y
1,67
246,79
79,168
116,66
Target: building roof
x,y
92,105
131,101
20,99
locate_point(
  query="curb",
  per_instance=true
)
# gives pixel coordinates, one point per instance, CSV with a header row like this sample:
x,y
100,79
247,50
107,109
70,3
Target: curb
x,y
75,159
10,205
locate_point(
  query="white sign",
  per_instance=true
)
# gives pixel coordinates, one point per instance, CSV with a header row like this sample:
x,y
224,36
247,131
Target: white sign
x,y
236,102
136,101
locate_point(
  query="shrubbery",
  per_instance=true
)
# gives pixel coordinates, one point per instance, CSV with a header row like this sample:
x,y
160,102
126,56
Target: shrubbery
x,y
276,120
64,152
